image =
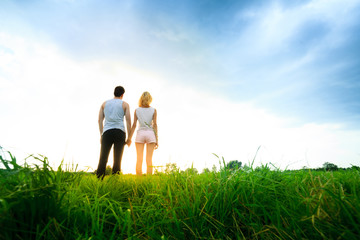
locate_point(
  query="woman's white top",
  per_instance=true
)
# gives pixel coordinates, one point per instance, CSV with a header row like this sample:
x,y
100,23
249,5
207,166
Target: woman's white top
x,y
145,117
114,115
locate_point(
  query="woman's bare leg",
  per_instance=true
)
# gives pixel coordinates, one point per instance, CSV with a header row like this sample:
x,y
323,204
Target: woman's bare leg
x,y
139,157
149,153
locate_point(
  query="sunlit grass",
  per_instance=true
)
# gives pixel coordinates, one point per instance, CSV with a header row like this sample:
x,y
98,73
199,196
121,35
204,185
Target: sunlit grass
x,y
38,202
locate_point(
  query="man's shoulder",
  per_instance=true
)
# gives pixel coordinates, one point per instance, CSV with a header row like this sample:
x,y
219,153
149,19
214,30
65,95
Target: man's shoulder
x,y
106,101
103,104
125,104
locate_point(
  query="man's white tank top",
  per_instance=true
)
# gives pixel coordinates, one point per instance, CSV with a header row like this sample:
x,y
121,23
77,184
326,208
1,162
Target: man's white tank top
x,y
145,117
114,115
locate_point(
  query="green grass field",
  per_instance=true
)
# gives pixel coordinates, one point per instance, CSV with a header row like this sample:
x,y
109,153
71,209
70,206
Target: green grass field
x,y
37,202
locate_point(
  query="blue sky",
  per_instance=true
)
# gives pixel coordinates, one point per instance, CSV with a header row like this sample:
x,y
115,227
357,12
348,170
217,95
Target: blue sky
x,y
295,60
298,59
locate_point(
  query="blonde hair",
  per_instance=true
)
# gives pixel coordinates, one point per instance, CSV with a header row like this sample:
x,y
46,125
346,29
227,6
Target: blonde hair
x,y
145,99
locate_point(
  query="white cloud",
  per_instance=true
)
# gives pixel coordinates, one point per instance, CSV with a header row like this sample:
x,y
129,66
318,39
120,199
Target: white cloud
x,y
52,104
273,27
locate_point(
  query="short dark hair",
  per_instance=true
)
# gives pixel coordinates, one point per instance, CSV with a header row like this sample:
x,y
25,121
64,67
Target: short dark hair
x,y
119,90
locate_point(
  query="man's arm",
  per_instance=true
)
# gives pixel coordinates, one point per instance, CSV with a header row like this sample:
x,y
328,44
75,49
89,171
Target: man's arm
x,y
101,119
133,127
127,118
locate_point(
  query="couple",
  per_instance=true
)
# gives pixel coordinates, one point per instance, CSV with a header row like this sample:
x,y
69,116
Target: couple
x,y
113,131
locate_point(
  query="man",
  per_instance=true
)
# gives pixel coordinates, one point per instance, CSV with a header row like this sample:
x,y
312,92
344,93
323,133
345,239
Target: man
x,y
113,131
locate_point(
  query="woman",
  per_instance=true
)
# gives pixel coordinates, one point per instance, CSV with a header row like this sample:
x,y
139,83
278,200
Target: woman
x,y
146,133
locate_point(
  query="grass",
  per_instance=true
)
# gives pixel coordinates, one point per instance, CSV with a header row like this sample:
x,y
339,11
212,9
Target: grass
x,y
38,202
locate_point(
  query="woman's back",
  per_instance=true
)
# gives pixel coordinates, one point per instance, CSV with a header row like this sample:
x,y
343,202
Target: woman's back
x,y
145,117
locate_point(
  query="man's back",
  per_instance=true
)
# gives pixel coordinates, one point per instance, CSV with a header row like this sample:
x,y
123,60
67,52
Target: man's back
x,y
114,115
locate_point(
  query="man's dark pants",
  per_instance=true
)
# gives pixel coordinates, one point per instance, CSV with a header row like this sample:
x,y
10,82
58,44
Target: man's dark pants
x,y
111,137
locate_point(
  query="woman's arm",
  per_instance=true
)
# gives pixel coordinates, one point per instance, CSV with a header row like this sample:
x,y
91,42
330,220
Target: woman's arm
x,y
154,123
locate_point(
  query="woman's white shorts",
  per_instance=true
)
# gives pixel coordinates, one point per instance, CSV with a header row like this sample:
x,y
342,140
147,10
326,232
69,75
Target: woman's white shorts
x,y
145,136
